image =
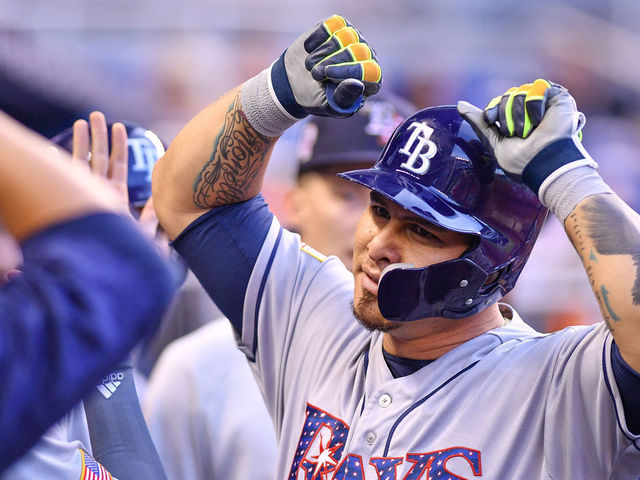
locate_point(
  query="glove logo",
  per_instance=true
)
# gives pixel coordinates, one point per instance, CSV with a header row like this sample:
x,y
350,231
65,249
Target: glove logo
x,y
414,147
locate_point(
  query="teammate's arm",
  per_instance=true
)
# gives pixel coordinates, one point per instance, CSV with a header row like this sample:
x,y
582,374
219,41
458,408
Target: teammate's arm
x,y
36,191
552,161
220,156
120,439
68,317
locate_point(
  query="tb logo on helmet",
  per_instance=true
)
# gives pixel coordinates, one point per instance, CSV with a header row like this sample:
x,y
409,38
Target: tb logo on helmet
x,y
415,145
144,154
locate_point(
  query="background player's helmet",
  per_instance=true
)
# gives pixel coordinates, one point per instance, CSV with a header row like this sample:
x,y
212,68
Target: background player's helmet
x,y
436,167
144,147
325,141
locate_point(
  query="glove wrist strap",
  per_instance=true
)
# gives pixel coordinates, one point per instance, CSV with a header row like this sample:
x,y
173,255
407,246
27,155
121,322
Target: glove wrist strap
x,y
552,161
566,190
261,105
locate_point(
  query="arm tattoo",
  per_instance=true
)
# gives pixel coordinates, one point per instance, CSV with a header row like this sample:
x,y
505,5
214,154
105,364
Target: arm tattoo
x,y
613,234
238,154
610,232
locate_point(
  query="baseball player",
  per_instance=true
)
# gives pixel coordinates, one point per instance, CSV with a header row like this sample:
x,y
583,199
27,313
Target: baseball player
x,y
203,407
67,318
411,368
105,434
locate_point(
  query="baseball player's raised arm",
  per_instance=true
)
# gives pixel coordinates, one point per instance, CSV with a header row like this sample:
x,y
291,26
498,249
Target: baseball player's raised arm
x,y
534,131
220,156
605,231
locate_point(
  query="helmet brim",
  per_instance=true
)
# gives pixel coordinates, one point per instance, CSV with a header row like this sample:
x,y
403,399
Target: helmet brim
x,y
424,201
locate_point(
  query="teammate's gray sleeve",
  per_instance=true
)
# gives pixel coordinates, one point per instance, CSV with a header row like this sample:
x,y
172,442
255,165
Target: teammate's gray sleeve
x,y
205,412
59,452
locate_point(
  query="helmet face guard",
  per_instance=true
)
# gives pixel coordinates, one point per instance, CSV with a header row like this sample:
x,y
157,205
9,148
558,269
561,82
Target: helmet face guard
x,y
144,149
436,167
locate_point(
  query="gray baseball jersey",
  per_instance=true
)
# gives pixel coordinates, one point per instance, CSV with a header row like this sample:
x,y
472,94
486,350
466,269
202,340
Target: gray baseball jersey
x,y
205,412
511,403
62,453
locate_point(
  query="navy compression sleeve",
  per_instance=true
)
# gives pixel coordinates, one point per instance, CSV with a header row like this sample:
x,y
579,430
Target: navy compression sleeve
x,y
120,439
90,289
221,248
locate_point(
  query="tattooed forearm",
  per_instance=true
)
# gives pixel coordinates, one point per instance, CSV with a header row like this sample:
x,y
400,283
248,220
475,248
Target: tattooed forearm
x,y
602,226
588,258
238,155
612,233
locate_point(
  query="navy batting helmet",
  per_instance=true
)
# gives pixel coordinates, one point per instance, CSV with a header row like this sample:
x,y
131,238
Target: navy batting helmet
x,y
436,167
144,147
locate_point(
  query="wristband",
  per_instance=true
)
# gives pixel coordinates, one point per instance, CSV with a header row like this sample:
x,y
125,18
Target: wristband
x,y
568,189
262,108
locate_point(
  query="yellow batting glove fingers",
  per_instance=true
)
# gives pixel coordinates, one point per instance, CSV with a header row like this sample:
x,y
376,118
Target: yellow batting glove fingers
x,y
356,60
519,110
334,23
519,115
360,51
333,45
324,32
491,110
536,101
371,72
368,71
506,113
538,88
346,36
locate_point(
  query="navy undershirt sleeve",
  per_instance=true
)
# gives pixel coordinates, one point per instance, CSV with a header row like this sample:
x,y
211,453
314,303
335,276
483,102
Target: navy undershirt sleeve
x,y
90,288
628,381
221,248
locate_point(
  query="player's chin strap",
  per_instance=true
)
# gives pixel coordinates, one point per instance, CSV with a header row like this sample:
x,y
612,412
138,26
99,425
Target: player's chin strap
x,y
452,289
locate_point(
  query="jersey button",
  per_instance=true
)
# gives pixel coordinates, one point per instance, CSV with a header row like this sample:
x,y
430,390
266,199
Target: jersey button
x,y
385,400
370,438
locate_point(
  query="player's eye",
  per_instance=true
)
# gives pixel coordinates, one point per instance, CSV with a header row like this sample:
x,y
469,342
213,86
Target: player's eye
x,y
380,212
423,232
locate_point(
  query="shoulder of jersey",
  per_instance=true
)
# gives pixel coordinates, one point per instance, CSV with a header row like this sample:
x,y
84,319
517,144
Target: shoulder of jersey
x,y
313,252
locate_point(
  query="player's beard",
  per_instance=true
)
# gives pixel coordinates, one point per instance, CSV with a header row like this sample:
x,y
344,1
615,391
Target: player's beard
x,y
366,310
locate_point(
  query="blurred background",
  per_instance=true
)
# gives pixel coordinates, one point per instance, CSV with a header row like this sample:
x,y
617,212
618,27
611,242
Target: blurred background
x,y
158,62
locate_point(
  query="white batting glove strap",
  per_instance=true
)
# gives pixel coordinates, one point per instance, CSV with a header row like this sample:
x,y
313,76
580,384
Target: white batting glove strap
x,y
262,108
569,187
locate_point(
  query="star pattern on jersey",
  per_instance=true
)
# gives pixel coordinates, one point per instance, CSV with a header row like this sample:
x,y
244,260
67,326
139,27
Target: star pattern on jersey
x,y
433,464
386,467
325,462
317,423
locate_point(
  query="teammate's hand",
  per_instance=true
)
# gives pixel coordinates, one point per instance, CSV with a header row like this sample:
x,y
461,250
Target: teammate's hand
x,y
94,152
533,131
326,71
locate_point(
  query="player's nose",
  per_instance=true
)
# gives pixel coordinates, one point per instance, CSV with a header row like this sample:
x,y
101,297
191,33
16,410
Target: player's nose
x,y
383,247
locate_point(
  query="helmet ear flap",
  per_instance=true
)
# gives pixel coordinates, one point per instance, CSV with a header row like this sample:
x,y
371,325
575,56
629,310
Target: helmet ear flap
x,y
448,289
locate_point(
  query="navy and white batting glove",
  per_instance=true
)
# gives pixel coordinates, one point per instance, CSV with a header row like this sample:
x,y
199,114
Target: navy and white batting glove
x,y
534,132
327,71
